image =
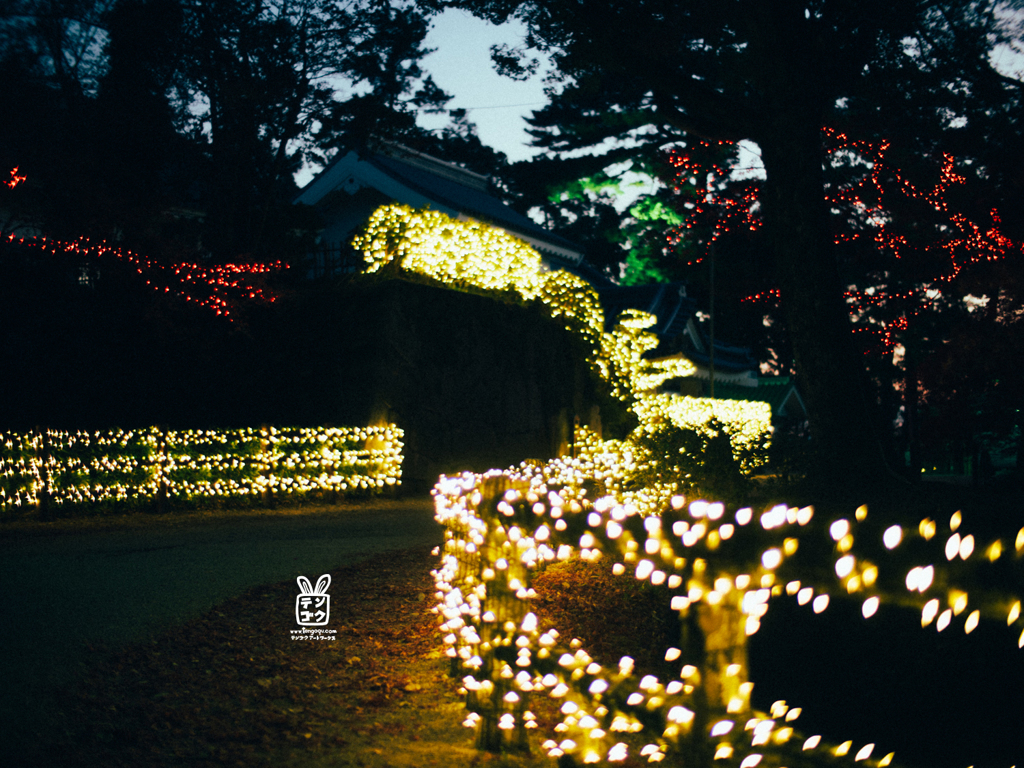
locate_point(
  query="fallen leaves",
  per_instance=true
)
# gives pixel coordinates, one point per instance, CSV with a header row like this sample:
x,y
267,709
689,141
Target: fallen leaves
x,y
232,687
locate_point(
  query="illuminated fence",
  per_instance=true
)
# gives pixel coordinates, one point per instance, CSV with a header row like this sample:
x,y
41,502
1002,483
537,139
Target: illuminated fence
x,y
138,467
722,568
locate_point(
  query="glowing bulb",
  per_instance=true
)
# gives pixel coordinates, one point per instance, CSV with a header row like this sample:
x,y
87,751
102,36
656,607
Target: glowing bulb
x,y
952,546
892,537
966,547
721,728
644,569
812,743
870,607
972,622
844,566
839,529
771,559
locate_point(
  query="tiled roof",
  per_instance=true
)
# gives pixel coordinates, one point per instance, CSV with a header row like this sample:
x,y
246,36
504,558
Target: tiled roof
x,y
473,202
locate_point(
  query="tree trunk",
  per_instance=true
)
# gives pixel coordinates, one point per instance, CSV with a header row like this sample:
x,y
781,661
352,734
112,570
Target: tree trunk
x,y
843,421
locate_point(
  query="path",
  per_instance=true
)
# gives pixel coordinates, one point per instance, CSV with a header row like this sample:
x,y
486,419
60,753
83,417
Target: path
x,y
60,592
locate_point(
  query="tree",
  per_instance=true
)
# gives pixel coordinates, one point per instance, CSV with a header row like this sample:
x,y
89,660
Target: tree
x,y
60,40
775,74
121,112
912,244
267,91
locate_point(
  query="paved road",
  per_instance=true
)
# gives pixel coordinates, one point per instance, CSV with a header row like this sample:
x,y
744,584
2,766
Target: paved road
x,y
59,592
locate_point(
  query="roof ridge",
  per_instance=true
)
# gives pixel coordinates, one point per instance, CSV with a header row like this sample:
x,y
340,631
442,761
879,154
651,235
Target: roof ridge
x,y
435,165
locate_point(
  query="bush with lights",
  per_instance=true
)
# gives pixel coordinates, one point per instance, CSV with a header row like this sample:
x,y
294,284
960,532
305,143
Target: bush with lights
x,y
467,254
121,469
723,570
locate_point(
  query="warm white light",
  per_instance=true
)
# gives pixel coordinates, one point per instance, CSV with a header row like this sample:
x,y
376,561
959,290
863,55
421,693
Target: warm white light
x,y
721,727
839,529
870,607
644,569
811,743
844,566
952,546
972,622
771,559
966,547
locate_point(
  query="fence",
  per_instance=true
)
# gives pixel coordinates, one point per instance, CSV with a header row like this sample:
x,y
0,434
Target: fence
x,y
128,468
333,260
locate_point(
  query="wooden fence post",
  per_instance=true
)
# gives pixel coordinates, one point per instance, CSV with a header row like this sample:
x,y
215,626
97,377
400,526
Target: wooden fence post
x,y
161,469
265,495
43,460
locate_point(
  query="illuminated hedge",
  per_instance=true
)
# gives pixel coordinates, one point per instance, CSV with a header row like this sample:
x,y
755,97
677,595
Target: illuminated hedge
x,y
130,467
466,253
723,570
747,422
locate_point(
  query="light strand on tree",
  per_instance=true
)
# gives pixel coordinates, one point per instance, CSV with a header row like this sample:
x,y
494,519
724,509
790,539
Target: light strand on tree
x,y
955,241
15,179
223,287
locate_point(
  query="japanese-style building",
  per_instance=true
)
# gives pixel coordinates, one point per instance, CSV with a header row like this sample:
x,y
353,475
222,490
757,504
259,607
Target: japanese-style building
x,y
358,182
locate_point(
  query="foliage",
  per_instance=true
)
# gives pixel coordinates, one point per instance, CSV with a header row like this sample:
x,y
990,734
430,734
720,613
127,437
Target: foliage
x,y
175,127
649,75
461,254
699,462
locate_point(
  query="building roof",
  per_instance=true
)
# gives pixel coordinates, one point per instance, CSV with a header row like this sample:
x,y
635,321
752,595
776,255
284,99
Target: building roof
x,y
419,180
778,391
667,301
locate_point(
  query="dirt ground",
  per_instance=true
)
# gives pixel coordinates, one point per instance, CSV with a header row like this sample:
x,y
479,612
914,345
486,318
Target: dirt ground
x,y
233,687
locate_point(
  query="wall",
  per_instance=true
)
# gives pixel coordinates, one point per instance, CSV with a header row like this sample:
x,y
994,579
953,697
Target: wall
x,y
475,383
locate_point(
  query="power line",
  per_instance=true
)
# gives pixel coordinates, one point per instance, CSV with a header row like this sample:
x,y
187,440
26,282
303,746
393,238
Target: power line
x,y
503,106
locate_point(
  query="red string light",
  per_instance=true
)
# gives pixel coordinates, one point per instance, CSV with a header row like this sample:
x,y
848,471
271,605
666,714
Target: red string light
x,y
15,179
713,207
220,287
955,241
